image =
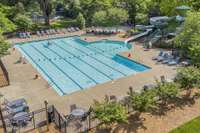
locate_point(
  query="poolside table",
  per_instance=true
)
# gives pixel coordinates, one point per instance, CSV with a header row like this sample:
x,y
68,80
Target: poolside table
x,y
78,112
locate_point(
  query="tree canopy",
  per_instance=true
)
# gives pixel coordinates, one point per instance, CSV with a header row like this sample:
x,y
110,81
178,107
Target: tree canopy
x,y
188,40
111,17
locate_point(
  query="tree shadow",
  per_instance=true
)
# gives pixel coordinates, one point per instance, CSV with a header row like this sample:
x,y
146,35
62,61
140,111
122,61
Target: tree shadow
x,y
176,103
135,122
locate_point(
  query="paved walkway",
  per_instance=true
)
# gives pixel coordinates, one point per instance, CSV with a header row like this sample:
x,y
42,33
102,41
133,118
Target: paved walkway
x,y
22,84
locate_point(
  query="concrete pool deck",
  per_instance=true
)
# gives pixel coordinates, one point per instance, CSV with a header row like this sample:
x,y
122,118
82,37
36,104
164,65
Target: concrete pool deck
x,y
22,84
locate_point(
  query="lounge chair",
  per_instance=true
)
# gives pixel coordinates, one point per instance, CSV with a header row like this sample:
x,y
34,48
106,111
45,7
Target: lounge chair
x,y
161,53
38,33
15,103
21,35
77,28
13,111
73,29
24,35
47,32
186,62
174,62
164,57
20,119
69,30
28,34
43,33
168,59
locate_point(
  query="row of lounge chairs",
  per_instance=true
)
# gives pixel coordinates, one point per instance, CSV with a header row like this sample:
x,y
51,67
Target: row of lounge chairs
x,y
24,35
166,58
57,31
48,32
103,31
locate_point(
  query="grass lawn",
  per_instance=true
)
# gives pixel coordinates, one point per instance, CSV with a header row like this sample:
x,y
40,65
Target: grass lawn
x,y
192,126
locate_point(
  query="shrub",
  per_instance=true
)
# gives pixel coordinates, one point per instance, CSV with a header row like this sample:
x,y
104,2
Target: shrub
x,y
188,77
144,101
194,53
109,112
167,91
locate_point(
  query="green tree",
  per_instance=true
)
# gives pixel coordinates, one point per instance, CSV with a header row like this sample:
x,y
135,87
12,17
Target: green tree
x,y
23,22
109,112
168,7
100,18
190,34
111,17
194,53
73,7
3,46
5,24
90,7
143,101
81,21
117,16
46,7
166,91
188,77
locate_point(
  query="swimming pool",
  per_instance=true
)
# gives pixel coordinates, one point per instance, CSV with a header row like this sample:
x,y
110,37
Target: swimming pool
x,y
71,64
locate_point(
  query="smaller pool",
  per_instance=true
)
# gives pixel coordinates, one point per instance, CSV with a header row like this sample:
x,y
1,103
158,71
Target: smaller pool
x,y
131,64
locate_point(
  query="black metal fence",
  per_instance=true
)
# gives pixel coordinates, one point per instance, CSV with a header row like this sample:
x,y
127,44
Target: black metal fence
x,y
37,119
64,124
75,125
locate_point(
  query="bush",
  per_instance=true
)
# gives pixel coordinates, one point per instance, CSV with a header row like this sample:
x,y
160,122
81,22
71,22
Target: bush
x,y
194,53
167,91
144,101
188,77
109,112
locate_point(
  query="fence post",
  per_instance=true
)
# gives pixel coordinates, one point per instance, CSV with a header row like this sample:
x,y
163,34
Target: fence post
x,y
33,119
46,109
65,126
89,121
59,121
2,119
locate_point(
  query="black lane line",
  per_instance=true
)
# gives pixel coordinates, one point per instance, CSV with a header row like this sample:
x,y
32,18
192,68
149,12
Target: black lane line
x,y
83,61
94,57
58,67
73,66
43,70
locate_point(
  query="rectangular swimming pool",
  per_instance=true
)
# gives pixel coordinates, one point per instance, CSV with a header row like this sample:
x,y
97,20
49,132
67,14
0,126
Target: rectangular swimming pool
x,y
71,64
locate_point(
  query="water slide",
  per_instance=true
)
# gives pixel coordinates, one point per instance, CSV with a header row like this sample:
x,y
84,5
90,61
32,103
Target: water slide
x,y
153,38
133,38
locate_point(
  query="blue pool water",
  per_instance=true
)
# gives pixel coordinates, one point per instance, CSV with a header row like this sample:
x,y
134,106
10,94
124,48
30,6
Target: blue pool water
x,y
71,64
